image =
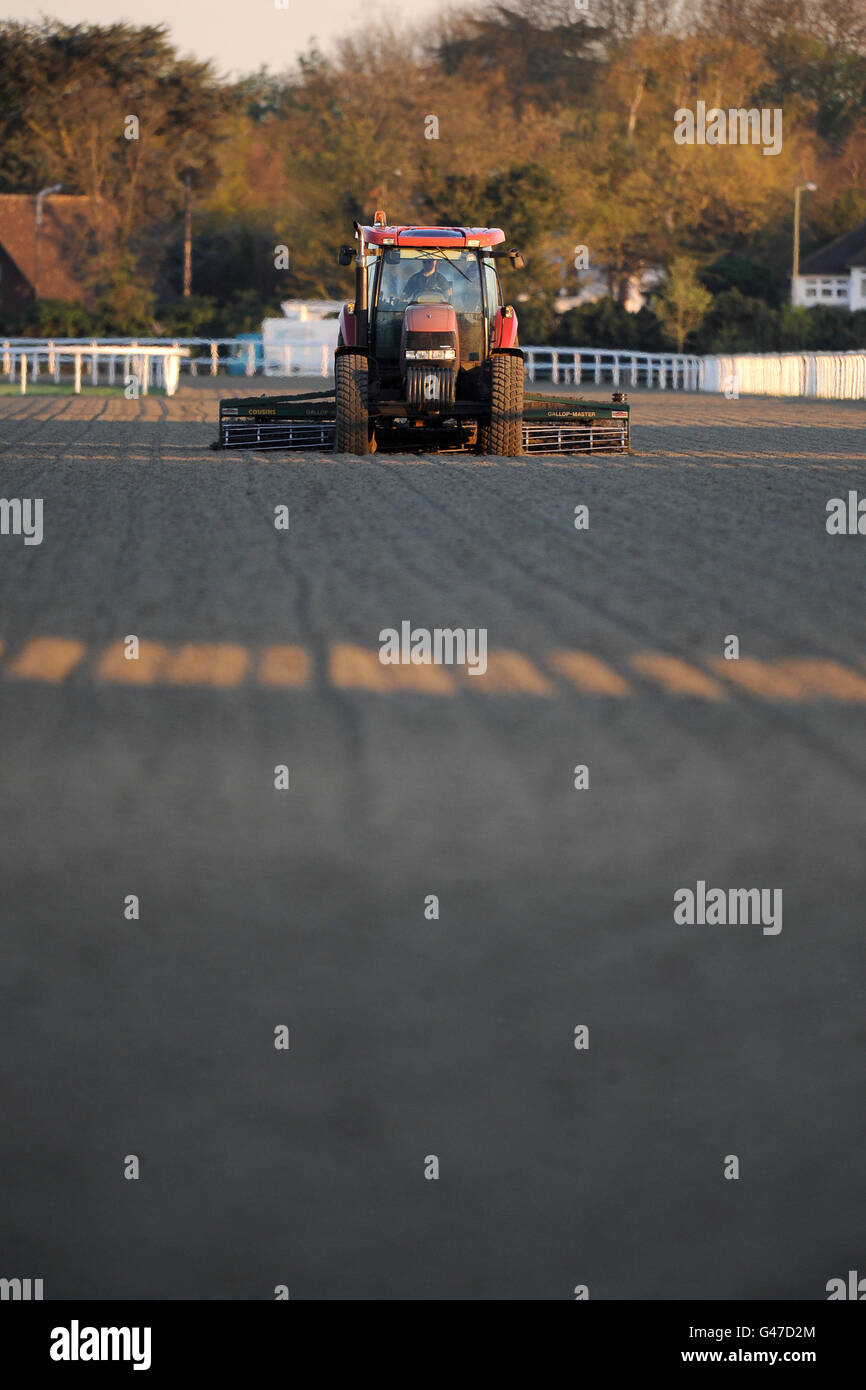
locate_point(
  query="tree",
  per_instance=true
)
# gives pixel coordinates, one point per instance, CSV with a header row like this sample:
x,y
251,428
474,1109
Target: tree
x,y
683,301
111,113
553,121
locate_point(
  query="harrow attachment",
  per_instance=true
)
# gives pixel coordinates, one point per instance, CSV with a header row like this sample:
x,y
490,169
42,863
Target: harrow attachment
x,y
278,422
563,425
551,424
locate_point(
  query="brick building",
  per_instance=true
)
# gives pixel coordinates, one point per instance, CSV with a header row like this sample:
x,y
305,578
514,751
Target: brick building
x,y
41,262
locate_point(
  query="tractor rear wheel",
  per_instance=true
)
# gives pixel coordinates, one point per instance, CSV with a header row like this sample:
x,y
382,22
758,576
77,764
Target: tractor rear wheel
x,y
504,434
351,375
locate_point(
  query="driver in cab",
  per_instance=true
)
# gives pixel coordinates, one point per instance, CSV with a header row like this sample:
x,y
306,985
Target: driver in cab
x,y
428,280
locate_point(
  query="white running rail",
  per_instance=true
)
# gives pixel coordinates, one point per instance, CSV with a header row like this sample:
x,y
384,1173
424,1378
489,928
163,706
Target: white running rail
x,y
837,376
665,371
209,354
144,364
158,362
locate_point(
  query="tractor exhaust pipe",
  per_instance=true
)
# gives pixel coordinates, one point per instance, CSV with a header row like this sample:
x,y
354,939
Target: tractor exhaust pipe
x,y
361,303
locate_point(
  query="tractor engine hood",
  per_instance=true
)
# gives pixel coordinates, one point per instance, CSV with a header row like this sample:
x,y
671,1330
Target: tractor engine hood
x,y
429,355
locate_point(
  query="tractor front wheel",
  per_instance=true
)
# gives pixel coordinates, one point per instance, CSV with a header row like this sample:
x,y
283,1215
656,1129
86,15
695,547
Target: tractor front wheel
x,y
504,434
351,374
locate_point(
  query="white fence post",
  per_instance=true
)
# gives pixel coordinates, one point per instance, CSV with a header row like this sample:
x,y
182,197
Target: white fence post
x,y
214,358
77,353
170,372
24,373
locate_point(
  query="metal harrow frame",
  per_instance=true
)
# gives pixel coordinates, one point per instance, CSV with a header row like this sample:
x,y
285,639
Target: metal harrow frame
x,y
552,425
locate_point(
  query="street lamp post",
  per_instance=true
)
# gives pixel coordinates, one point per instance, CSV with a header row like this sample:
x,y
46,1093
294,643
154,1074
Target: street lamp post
x,y
807,187
42,194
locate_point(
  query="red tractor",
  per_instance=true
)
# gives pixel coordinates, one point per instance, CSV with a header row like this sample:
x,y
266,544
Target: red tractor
x,y
427,356
427,360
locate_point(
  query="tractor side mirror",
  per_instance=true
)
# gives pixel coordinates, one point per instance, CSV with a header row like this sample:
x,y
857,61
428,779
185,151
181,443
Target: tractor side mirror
x,y
515,257
347,255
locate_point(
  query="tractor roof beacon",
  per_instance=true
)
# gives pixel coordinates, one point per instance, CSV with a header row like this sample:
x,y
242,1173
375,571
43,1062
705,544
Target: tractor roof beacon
x,y
426,360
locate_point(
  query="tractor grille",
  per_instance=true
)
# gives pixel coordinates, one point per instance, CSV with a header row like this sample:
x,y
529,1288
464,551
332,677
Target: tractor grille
x,y
590,437
430,385
277,434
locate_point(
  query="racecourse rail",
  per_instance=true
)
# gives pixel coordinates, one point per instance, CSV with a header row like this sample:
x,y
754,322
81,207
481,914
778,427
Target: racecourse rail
x,y
158,362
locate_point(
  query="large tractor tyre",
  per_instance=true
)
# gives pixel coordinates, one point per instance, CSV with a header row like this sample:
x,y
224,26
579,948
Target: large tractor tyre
x,y
504,434
353,421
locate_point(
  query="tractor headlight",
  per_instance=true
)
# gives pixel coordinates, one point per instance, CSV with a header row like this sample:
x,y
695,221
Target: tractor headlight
x,y
430,354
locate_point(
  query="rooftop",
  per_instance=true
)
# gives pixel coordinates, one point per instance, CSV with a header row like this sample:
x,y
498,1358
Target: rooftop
x,y
62,235
839,256
433,236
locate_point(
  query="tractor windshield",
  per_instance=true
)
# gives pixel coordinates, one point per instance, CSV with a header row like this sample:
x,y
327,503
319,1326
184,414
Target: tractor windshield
x,y
409,275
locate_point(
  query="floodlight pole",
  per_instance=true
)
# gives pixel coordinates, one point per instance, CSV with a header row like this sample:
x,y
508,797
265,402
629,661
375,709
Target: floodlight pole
x,y
40,196
801,188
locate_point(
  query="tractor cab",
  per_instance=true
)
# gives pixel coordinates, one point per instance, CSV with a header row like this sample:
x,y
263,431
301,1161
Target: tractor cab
x,y
407,277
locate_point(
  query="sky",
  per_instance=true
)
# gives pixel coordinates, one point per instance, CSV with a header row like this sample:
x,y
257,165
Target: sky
x,y
239,35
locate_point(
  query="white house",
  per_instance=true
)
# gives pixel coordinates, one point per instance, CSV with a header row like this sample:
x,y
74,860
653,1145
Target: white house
x,y
835,275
